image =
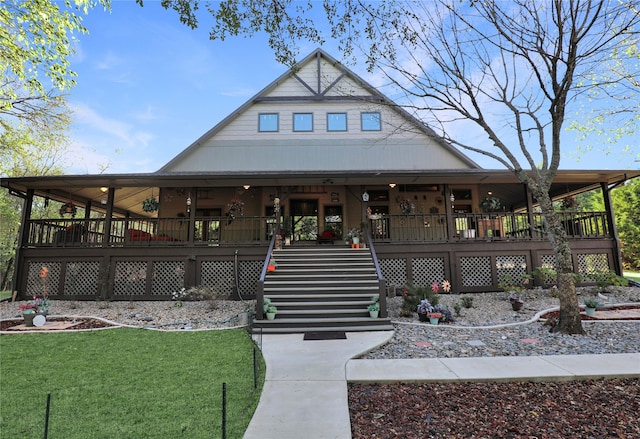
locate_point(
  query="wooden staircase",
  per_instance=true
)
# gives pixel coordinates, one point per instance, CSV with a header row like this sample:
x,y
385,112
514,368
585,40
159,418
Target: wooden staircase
x,y
323,288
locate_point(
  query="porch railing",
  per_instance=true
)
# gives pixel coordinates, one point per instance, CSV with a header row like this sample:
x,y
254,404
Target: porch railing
x,y
258,230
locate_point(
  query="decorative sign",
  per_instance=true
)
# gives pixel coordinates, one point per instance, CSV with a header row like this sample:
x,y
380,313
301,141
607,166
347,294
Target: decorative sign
x,y
39,320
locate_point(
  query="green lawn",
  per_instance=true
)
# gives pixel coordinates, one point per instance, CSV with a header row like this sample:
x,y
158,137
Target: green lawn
x,y
127,383
633,275
5,294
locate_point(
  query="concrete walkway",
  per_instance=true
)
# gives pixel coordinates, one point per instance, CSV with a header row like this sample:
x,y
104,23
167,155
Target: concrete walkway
x,y
305,391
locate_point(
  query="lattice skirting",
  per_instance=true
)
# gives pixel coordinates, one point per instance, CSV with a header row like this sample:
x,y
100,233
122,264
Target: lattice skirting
x,y
128,279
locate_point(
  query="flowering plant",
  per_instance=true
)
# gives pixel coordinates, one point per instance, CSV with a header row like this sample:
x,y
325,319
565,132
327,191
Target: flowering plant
x,y
37,305
424,307
434,315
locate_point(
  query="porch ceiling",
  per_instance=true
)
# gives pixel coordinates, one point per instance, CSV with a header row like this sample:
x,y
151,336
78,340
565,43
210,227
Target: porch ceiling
x,y
131,189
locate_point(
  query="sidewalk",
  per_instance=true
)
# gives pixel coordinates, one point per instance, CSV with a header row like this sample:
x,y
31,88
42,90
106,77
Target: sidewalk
x,y
305,390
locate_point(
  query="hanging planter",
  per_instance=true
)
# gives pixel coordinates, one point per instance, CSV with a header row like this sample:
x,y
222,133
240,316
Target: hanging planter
x,y
68,209
150,204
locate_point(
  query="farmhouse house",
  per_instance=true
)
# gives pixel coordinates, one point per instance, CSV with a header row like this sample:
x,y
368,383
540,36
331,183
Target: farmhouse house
x,y
317,158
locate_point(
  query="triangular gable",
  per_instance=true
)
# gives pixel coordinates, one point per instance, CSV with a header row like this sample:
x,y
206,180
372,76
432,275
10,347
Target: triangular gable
x,y
320,86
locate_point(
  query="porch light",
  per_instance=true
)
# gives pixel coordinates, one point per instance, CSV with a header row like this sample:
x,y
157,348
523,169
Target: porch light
x,y
246,186
276,205
104,189
365,196
452,197
392,185
189,204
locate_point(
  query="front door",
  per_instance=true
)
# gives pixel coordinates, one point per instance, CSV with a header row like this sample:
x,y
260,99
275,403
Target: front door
x,y
304,214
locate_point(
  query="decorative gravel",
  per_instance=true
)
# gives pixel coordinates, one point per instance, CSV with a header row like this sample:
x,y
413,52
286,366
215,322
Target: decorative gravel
x,y
214,314
492,328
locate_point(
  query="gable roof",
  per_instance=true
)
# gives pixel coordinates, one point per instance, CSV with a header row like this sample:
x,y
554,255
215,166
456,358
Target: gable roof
x,y
318,81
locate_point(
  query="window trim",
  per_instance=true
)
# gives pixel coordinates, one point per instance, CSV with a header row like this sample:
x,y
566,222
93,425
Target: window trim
x,y
277,128
345,122
369,113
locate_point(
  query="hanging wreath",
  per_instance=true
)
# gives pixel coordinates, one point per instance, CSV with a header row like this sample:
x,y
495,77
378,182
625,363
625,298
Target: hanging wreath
x,y
150,204
235,207
406,206
68,209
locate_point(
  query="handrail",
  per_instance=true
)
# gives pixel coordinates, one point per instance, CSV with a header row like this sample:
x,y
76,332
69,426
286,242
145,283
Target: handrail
x,y
382,283
263,274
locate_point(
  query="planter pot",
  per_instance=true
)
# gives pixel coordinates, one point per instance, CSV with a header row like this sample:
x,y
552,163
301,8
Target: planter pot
x,y
433,320
373,314
517,306
28,319
423,317
271,315
271,268
591,312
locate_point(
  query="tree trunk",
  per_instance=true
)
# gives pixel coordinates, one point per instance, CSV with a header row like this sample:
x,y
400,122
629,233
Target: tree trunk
x,y
570,321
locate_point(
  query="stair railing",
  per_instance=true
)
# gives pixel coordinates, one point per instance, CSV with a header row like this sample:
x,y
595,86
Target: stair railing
x,y
263,274
381,280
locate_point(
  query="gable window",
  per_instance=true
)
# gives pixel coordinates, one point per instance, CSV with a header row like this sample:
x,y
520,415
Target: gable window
x,y
268,122
370,121
302,121
336,121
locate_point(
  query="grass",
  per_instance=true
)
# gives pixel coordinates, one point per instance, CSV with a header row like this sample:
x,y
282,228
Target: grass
x,y
127,383
633,275
5,295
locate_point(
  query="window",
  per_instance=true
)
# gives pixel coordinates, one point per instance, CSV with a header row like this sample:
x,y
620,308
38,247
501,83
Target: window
x,y
302,122
268,122
370,122
336,121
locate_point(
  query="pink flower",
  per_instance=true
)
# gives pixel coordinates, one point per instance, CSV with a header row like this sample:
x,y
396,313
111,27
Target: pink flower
x,y
435,287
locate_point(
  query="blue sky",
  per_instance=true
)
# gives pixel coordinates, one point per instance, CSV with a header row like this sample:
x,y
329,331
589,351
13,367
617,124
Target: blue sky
x,y
149,86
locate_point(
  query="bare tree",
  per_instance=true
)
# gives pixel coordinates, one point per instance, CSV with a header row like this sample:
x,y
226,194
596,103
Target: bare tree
x,y
512,69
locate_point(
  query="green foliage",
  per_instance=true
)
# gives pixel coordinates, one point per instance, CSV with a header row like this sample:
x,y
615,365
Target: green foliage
x,y
467,301
412,296
609,278
591,302
36,45
626,202
128,383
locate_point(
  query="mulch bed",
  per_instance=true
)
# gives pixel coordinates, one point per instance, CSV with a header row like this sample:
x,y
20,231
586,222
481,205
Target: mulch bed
x,y
588,409
555,315
81,323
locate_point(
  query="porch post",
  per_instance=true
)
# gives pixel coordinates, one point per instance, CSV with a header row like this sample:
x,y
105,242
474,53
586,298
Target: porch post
x,y
23,238
106,240
613,231
193,195
448,208
529,198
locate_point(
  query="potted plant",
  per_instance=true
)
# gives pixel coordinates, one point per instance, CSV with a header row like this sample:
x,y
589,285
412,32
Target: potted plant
x,y
434,317
374,309
590,305
424,308
508,283
353,236
266,304
33,308
271,312
150,204
490,204
272,265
